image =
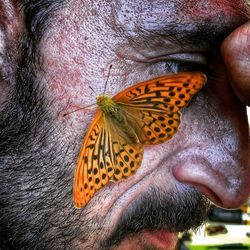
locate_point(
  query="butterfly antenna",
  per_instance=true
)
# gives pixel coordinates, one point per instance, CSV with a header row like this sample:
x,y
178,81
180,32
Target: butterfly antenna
x,y
91,105
105,86
93,90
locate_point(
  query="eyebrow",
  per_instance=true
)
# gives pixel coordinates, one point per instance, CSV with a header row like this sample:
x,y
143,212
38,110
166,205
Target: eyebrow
x,y
199,35
202,36
203,33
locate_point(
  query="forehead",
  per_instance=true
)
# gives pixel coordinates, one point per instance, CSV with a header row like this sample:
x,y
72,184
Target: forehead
x,y
78,21
151,10
134,15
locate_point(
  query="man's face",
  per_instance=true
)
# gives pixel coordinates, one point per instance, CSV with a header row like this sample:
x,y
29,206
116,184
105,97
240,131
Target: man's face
x,y
206,161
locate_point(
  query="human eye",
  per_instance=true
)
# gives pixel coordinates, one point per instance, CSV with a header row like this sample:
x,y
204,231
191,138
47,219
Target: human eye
x,y
185,62
182,62
180,66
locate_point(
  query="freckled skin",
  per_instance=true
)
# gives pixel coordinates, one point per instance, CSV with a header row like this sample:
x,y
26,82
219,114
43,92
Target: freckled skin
x,y
210,151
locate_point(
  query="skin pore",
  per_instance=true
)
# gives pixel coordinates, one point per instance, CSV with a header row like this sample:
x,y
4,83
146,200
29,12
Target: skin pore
x,y
51,52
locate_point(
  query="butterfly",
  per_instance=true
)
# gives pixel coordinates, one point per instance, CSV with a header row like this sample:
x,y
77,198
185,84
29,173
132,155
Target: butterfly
x,y
146,113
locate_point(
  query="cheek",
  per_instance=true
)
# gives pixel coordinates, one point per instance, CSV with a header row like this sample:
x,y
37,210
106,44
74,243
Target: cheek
x,y
66,80
74,57
227,105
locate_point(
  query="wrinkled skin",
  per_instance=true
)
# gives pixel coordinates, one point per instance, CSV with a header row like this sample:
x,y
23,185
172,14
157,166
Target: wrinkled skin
x,y
47,71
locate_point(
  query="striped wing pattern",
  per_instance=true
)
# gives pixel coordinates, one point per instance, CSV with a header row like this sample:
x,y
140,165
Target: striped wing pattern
x,y
151,109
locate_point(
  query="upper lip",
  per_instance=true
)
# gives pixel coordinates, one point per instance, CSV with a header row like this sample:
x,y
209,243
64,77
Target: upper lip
x,y
212,184
128,195
126,187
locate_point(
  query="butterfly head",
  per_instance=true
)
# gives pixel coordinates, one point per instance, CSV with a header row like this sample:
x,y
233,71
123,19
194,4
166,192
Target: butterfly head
x,y
104,102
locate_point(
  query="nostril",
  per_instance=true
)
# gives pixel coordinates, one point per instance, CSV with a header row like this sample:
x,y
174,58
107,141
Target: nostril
x,y
212,196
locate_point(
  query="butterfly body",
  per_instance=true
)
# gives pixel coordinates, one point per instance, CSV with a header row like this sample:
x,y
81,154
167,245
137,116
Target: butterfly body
x,y
105,104
115,113
146,113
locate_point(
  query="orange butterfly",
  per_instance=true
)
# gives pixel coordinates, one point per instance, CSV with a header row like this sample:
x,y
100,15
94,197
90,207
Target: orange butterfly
x,y
144,114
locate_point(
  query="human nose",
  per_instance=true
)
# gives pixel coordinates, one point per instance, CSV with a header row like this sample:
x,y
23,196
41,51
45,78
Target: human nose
x,y
225,191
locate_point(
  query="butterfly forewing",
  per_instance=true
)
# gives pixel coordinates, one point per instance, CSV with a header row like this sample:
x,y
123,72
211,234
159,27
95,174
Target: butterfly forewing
x,y
84,183
167,93
152,107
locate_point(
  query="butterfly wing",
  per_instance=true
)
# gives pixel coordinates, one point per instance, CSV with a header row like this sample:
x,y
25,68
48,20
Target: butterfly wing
x,y
152,107
105,156
152,111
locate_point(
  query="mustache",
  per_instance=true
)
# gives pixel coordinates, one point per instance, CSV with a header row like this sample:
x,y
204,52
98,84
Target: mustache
x,y
177,211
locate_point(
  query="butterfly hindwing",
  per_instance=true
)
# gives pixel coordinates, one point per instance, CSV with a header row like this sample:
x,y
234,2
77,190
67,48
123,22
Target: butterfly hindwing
x,y
126,153
153,127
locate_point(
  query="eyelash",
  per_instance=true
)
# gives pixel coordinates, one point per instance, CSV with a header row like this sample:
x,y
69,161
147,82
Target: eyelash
x,y
178,66
175,66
